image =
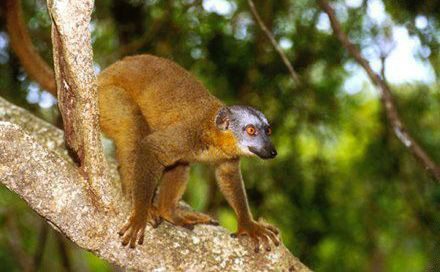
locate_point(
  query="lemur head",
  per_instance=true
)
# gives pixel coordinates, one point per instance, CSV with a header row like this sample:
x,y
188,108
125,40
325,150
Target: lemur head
x,y
251,129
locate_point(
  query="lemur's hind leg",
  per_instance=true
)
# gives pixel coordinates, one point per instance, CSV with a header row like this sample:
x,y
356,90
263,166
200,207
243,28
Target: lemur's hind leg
x,y
157,152
125,125
172,187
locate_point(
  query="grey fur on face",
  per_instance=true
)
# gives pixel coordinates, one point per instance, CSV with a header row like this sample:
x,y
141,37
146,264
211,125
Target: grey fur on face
x,y
259,143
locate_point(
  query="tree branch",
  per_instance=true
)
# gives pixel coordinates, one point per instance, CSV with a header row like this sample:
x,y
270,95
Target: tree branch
x,y
77,90
270,36
37,168
34,65
386,96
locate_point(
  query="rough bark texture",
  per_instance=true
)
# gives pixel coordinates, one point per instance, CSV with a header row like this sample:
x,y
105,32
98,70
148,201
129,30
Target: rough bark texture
x,y
35,165
77,90
386,96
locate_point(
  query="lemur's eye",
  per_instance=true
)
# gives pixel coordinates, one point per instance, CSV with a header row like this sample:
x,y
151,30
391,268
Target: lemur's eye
x,y
268,131
251,130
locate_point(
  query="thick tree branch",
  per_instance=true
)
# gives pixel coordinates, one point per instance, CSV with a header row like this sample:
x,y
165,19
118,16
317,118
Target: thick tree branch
x,y
270,36
33,163
77,90
386,96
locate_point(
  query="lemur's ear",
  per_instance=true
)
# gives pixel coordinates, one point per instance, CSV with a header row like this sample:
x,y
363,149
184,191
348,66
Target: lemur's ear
x,y
222,118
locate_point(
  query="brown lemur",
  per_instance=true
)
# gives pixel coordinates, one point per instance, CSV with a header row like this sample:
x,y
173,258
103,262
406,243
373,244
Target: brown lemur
x,y
161,119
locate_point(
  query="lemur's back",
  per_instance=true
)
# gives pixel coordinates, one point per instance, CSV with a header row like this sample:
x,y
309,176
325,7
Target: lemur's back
x,y
163,91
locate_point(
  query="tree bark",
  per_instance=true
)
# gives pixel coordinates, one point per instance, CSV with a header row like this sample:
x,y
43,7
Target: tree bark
x,y
77,90
35,165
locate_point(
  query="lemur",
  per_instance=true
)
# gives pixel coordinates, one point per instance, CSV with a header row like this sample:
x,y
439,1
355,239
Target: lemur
x,y
161,119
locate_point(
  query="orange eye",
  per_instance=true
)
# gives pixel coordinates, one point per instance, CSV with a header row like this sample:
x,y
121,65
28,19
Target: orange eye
x,y
269,131
251,130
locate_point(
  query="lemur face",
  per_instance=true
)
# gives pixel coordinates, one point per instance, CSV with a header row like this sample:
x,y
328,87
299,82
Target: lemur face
x,y
251,129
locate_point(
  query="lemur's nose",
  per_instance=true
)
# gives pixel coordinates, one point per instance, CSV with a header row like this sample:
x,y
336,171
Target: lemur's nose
x,y
273,153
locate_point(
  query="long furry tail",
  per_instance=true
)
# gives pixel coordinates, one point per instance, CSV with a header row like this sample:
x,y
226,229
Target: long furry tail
x,y
34,65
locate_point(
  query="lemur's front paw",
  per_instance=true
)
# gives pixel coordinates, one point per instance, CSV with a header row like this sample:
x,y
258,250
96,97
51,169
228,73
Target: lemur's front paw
x,y
134,229
260,233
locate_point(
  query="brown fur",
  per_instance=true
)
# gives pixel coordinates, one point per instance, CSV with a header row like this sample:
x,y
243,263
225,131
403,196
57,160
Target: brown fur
x,y
144,95
161,119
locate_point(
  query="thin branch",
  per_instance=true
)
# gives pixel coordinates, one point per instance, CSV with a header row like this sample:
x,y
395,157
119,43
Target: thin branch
x,y
34,65
270,36
382,68
386,96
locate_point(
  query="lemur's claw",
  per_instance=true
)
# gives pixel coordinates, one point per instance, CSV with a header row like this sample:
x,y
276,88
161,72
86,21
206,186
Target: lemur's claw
x,y
133,231
156,222
260,233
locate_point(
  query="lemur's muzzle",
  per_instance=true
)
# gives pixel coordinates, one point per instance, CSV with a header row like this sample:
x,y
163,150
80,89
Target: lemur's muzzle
x,y
267,152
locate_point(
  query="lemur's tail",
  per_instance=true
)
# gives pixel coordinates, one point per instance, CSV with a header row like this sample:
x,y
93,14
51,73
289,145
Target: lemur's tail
x,y
34,65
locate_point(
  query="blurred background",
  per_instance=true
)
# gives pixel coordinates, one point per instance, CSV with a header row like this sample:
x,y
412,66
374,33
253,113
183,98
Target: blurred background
x,y
344,191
